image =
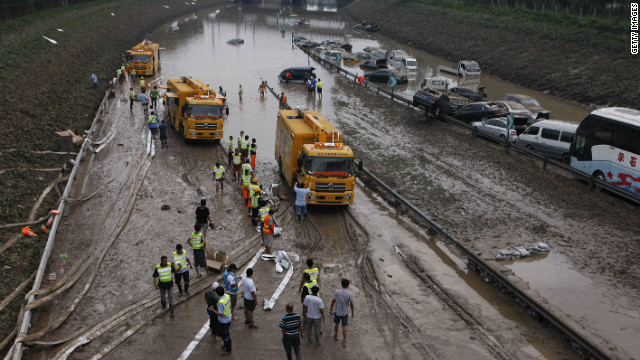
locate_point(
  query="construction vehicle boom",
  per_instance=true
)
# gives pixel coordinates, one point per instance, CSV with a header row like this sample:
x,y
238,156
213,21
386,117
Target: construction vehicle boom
x,y
145,58
195,110
309,150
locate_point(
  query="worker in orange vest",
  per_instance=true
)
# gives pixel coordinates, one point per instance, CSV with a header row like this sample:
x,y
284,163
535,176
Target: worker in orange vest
x,y
283,100
268,230
360,79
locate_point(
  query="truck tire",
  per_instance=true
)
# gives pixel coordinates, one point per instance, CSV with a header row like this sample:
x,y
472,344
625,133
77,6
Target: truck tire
x,y
445,104
183,135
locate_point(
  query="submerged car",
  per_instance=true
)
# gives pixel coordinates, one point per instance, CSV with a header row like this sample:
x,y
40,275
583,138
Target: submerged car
x,y
530,103
235,41
298,75
384,76
373,65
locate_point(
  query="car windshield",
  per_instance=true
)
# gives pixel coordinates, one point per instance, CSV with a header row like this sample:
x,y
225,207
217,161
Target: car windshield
x,y
329,164
472,66
530,102
141,58
412,63
516,106
205,110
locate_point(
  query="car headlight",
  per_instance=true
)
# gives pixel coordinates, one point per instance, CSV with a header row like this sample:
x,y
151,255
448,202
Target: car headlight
x,y
192,132
348,196
312,195
218,133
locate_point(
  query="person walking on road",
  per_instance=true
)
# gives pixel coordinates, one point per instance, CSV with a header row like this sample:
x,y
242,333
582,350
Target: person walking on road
x,y
199,244
132,96
154,97
314,275
94,80
313,314
163,281
244,148
218,177
133,73
203,217
212,298
250,299
153,123
307,287
230,150
240,92
343,300
291,325
231,286
268,229
163,134
223,311
301,200
320,88
237,165
246,167
144,100
253,148
180,260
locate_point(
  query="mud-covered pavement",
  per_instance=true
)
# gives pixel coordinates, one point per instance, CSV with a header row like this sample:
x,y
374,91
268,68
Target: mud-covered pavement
x,y
415,298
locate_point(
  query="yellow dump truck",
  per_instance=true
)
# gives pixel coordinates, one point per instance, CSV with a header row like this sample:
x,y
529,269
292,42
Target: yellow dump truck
x,y
309,149
194,109
145,58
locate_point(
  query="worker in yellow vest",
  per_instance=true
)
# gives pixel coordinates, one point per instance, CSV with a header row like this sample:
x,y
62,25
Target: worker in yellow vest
x,y
223,310
163,281
314,274
246,167
133,73
263,211
180,260
246,182
198,243
218,177
230,150
254,198
253,149
307,287
237,162
143,84
244,148
252,189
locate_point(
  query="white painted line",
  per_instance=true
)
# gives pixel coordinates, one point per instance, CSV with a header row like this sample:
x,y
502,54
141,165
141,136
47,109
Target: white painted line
x,y
192,345
153,146
148,142
196,340
269,304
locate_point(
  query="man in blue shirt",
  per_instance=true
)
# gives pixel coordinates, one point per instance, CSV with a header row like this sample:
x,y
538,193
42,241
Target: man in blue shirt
x,y
144,100
301,200
163,134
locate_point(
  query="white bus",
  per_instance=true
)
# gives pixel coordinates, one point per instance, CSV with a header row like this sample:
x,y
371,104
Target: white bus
x,y
607,146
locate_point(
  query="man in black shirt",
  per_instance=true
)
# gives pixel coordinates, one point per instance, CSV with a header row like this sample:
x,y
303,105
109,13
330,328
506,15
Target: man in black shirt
x,y
203,217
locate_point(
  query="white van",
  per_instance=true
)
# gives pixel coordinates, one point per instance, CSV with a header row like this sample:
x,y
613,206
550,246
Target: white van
x,y
550,137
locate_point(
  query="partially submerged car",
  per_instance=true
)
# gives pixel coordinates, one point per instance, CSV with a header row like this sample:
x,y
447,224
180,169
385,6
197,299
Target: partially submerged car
x,y
384,75
530,103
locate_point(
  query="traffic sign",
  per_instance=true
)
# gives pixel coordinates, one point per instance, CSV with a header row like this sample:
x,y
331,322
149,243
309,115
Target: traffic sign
x,y
393,81
509,122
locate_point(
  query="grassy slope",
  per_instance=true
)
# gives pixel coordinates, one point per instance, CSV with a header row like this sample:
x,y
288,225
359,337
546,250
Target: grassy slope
x,y
586,63
47,88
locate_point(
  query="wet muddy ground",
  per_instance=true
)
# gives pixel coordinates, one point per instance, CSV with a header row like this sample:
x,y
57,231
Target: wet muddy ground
x,y
415,297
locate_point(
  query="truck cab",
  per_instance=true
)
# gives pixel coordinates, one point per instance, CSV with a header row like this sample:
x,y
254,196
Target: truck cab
x,y
195,110
145,58
309,149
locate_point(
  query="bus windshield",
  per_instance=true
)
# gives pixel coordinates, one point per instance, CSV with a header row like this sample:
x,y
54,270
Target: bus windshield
x,y
205,110
329,164
141,58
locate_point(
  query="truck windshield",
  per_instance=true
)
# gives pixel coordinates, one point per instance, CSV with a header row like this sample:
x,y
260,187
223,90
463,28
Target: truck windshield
x,y
329,164
205,110
140,58
472,66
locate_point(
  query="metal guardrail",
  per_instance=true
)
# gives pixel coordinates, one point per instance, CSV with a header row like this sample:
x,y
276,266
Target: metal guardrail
x,y
627,195
26,320
481,266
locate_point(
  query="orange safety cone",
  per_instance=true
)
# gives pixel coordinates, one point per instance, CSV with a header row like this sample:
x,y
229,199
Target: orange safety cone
x,y
50,220
44,228
52,217
28,232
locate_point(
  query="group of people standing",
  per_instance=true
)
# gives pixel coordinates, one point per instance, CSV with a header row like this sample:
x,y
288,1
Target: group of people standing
x,y
315,85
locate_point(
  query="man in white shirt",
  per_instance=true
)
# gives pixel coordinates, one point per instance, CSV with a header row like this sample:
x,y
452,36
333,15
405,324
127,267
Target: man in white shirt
x,y
343,300
313,313
250,299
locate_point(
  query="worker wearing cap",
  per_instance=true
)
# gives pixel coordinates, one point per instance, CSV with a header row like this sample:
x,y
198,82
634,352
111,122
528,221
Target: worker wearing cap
x,y
163,281
218,177
153,123
212,299
180,260
253,148
143,84
231,286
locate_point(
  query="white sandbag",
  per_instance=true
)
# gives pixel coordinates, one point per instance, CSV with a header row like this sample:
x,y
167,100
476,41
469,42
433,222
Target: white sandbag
x,y
521,249
277,231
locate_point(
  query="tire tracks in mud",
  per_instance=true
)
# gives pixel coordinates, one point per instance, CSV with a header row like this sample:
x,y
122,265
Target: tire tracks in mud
x,y
357,237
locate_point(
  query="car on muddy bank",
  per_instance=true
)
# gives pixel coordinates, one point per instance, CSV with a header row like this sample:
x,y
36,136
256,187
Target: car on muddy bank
x,y
530,103
496,127
481,111
551,138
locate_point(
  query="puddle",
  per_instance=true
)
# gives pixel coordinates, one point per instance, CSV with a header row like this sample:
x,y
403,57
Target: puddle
x,y
602,313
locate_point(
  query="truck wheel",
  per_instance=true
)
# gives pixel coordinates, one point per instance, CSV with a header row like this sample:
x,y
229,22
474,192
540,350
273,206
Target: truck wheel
x,y
183,134
566,159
